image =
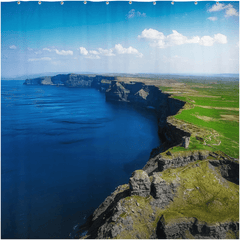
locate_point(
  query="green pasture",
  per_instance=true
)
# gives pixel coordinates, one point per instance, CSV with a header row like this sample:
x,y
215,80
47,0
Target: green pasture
x,y
213,108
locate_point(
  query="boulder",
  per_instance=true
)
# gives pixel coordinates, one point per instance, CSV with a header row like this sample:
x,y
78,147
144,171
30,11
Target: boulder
x,y
140,183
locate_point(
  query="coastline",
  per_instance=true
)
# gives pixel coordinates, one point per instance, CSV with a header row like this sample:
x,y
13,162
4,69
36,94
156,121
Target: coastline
x,y
171,135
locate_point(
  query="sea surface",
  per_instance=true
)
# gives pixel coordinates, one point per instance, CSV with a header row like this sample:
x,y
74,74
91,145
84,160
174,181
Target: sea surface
x,y
64,150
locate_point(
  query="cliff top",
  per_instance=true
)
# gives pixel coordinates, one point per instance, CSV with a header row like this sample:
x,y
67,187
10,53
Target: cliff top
x,y
211,115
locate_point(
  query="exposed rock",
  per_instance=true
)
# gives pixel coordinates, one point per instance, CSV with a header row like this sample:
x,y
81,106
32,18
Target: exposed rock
x,y
180,159
73,80
168,153
47,81
229,169
185,141
113,198
98,224
140,183
162,191
192,228
172,135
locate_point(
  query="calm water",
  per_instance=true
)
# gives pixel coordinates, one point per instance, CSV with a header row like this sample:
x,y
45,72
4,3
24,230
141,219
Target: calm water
x,y
64,150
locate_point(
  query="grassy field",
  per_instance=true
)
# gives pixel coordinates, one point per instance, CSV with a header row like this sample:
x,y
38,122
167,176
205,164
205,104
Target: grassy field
x,y
211,112
202,193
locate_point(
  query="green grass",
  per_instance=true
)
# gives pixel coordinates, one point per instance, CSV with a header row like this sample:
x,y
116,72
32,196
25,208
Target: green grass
x,y
215,109
202,194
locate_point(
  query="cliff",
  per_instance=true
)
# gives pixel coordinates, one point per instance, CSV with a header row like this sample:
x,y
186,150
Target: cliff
x,y
194,201
187,194
73,80
183,194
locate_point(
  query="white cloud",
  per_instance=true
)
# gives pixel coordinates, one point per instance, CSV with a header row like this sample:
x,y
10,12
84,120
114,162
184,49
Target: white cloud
x,y
139,14
158,39
132,13
195,39
217,7
63,52
93,52
29,49
39,59
121,50
12,47
152,34
220,38
106,52
118,49
47,49
83,51
176,38
206,41
229,9
212,18
59,52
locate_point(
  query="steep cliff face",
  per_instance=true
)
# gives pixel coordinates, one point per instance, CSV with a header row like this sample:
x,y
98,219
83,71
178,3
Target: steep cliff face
x,y
145,96
182,228
73,80
189,194
193,201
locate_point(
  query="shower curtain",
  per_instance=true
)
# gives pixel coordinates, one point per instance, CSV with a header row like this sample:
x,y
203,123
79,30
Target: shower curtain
x,y
64,147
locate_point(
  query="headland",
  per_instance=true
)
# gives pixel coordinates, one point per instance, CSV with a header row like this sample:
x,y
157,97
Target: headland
x,y
189,186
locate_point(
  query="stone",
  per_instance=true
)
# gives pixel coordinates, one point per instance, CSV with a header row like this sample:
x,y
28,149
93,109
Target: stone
x,y
185,141
140,183
168,153
162,191
176,161
183,228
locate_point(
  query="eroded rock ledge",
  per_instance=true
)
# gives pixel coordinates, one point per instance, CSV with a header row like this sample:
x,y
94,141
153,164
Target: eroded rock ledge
x,y
144,208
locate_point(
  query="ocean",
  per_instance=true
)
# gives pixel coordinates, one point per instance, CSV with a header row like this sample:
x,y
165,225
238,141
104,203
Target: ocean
x,y
64,150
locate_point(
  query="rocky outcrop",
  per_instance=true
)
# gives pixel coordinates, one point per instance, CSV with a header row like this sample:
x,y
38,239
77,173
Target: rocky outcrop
x,y
183,228
146,96
162,191
111,217
229,167
172,135
180,159
97,225
140,184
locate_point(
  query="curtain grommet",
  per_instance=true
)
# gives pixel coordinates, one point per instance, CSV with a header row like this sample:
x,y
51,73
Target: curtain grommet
x,y
154,3
61,2
18,2
172,3
39,3
130,2
85,2
195,2
107,2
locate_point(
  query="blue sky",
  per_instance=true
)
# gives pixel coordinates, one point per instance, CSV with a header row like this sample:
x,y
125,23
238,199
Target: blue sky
x,y
119,37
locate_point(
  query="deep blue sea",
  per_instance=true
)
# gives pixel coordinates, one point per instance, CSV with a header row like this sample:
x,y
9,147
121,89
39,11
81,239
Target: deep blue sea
x,y
64,150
